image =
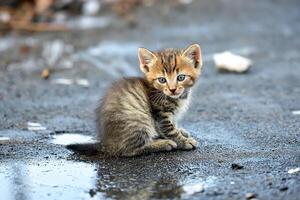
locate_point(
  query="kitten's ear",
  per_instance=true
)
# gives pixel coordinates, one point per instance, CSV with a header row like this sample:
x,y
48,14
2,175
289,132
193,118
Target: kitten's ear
x,y
193,53
147,58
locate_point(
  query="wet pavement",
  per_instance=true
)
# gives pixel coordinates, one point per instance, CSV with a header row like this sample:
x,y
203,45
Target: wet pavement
x,y
248,125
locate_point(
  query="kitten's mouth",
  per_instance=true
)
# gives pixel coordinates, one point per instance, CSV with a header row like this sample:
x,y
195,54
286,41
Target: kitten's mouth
x,y
175,96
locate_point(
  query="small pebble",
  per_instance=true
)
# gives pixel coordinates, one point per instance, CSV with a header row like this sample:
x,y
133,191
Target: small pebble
x,y
251,195
236,166
92,192
284,188
45,74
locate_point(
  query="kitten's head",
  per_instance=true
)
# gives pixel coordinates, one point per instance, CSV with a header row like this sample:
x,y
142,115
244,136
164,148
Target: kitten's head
x,y
171,71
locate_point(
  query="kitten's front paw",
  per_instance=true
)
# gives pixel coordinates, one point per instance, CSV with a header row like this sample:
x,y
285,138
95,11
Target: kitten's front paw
x,y
184,132
170,145
189,144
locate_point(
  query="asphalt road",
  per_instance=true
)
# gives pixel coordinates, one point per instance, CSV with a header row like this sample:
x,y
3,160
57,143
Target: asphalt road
x,y
248,125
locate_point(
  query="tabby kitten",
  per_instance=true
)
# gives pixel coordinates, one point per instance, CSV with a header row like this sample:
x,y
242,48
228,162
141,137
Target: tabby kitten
x,y
138,115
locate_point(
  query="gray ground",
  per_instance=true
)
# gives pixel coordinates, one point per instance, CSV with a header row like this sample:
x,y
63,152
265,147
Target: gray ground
x,y
248,119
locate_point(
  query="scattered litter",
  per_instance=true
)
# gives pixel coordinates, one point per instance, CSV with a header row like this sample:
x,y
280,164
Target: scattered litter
x,y
251,195
295,170
4,140
32,126
192,189
63,81
296,112
236,166
83,82
45,73
284,188
227,61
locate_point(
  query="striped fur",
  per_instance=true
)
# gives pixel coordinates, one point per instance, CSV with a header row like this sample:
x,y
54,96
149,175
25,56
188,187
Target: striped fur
x,y
138,115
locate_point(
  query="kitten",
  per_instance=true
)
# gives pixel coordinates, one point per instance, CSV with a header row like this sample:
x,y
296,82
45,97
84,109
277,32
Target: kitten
x,y
138,115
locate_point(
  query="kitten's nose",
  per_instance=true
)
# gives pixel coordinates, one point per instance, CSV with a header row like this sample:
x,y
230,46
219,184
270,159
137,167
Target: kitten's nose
x,y
173,90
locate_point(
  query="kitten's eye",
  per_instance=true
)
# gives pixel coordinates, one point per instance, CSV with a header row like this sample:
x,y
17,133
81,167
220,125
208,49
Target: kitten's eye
x,y
180,77
162,80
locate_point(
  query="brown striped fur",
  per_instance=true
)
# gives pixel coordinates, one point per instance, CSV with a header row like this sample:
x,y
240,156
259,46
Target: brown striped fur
x,y
138,115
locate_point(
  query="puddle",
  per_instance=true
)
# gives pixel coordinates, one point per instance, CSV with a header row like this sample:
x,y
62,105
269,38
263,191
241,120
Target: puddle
x,y
55,179
71,138
104,179
192,189
198,185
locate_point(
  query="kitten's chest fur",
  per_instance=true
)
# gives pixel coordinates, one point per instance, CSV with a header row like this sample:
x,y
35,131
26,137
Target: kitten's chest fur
x,y
173,107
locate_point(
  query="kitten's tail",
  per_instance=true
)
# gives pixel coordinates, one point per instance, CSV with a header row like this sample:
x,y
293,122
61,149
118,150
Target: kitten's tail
x,y
85,148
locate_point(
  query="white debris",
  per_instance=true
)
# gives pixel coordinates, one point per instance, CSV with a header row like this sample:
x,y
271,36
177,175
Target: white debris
x,y
227,61
295,170
71,138
4,138
296,112
32,126
192,189
91,7
63,81
83,82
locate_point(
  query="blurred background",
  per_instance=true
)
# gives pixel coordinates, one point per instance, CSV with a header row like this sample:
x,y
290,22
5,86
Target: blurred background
x,y
57,58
